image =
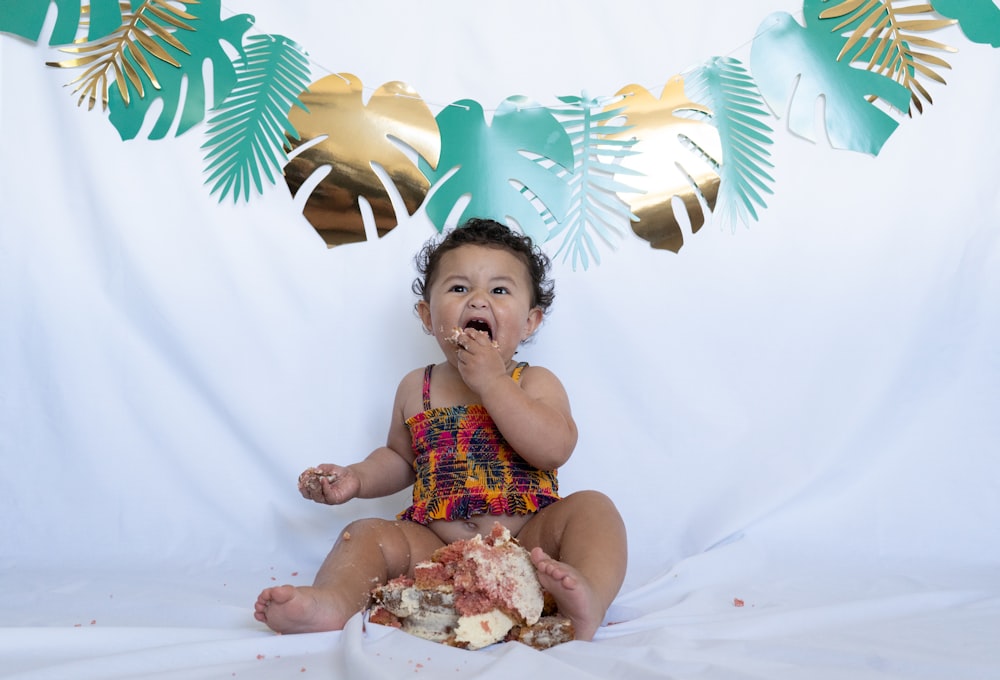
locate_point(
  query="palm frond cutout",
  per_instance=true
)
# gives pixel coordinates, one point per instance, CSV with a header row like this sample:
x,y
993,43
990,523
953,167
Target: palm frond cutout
x,y
728,90
247,133
109,60
884,39
596,213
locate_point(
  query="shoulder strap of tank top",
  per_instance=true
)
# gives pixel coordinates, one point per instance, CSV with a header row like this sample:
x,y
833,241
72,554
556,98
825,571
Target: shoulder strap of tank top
x,y
427,387
515,375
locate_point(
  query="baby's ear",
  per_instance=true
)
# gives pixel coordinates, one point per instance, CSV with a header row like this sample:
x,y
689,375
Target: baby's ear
x,y
532,323
424,312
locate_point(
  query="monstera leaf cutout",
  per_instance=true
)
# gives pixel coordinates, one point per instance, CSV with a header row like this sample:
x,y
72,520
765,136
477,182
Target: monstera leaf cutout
x,y
341,136
979,19
676,156
728,90
247,131
788,58
596,213
882,37
26,18
493,165
184,63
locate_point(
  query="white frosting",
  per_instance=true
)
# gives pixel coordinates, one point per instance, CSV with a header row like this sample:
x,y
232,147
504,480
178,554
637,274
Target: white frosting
x,y
482,630
512,573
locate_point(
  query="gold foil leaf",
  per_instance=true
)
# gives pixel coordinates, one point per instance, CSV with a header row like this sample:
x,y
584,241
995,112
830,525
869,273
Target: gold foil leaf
x,y
339,132
676,156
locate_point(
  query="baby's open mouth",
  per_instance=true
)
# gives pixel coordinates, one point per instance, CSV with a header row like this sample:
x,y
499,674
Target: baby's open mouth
x,y
480,325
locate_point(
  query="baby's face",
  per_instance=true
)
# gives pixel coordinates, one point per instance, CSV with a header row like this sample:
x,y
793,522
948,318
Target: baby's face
x,y
481,288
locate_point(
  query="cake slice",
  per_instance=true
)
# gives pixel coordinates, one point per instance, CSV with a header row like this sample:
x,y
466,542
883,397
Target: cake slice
x,y
471,594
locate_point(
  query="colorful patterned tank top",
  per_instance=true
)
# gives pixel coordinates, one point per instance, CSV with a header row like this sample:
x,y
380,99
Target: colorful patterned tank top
x,y
465,467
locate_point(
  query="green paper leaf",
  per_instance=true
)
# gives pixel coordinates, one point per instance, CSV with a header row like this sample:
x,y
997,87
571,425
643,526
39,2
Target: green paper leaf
x,y
486,159
979,19
247,133
596,213
26,18
795,65
189,50
727,89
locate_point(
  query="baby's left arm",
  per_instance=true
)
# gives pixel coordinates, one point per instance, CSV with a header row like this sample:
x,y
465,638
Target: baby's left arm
x,y
534,416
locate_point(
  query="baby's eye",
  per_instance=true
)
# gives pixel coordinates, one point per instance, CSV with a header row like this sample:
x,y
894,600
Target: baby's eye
x,y
458,288
500,290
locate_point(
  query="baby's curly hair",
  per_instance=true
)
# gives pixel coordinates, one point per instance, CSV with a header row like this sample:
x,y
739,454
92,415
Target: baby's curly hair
x,y
491,234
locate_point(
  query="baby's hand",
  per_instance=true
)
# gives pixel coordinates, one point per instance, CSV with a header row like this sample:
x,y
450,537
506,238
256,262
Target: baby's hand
x,y
330,484
478,359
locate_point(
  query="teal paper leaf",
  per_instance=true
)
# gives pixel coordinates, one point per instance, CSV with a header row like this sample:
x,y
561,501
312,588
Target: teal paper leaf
x,y
795,65
493,165
203,44
26,18
725,87
596,213
979,19
246,134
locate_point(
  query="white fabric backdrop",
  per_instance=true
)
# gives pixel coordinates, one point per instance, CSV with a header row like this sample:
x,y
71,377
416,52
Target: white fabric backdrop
x,y
801,414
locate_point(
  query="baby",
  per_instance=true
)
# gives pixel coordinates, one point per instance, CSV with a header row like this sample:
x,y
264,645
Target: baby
x,y
479,437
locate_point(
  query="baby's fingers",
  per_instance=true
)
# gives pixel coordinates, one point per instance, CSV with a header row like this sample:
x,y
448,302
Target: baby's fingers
x,y
482,338
314,482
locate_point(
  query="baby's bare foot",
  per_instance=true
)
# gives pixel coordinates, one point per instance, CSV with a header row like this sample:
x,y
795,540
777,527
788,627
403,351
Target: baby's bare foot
x,y
298,609
571,592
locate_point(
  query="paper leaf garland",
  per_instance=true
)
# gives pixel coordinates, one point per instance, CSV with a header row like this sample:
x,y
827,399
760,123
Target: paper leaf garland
x,y
247,133
485,160
882,38
596,213
979,19
343,137
199,46
578,173
728,90
785,52
675,156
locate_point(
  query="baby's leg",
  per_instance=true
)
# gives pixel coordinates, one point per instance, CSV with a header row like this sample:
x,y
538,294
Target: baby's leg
x,y
579,548
367,553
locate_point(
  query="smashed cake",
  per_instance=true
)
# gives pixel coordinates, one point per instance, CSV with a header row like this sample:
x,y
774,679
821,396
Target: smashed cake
x,y
472,594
